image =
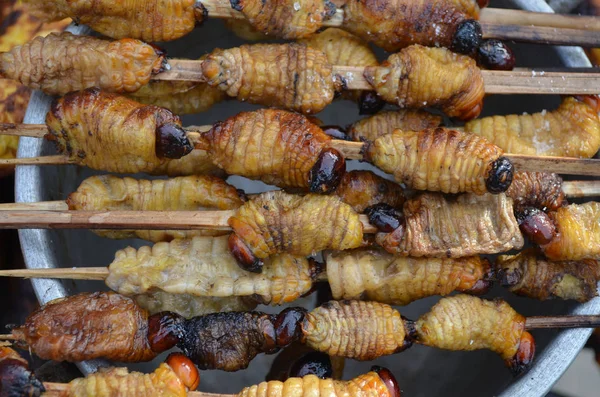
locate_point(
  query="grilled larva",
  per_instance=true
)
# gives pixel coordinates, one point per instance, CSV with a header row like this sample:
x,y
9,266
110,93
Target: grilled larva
x,y
15,377
378,383
376,275
355,329
62,62
277,222
530,274
277,147
436,226
203,266
395,24
286,19
194,193
578,237
303,80
148,20
388,121
442,160
113,133
541,190
420,76
464,322
362,189
81,327
171,379
190,306
572,130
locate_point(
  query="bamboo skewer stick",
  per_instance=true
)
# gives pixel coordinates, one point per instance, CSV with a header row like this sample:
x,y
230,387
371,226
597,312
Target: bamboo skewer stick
x,y
496,82
577,321
577,189
351,150
59,389
501,16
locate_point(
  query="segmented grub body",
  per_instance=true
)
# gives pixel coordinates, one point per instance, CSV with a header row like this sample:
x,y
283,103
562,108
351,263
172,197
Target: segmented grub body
x,y
110,382
203,266
436,226
362,189
395,24
418,77
110,132
274,146
465,322
276,222
387,121
286,19
148,20
62,62
355,329
81,327
189,193
376,275
367,385
529,274
578,237
436,159
572,130
301,82
541,190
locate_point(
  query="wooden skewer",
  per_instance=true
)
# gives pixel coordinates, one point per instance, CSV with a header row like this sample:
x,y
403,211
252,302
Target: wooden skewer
x,y
351,150
577,189
578,321
496,82
59,389
501,24
146,220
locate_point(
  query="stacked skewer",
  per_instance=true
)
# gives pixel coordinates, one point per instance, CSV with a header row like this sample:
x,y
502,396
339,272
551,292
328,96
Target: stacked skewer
x,y
478,190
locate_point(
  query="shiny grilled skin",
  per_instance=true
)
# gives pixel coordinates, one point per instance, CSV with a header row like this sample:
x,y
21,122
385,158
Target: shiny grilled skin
x,y
396,24
361,189
303,81
376,275
529,274
189,193
578,236
275,146
81,327
355,329
542,190
418,77
277,222
441,160
286,19
152,20
112,133
343,48
464,322
370,384
436,226
203,266
16,380
227,341
387,121
572,130
189,306
62,62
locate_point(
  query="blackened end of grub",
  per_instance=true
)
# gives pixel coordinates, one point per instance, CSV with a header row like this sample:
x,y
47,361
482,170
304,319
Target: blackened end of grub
x,y
388,379
200,13
327,172
521,362
316,267
164,331
288,325
385,217
370,103
330,9
500,176
158,50
483,3
172,142
236,5
536,225
243,255
410,331
509,278
467,37
312,363
495,55
242,195
16,380
336,132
